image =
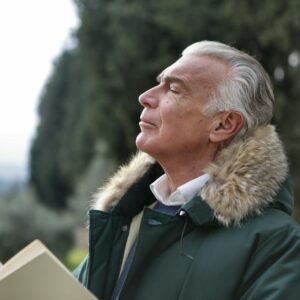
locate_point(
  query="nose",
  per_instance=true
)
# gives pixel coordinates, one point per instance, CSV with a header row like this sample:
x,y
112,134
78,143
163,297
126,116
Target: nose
x,y
149,98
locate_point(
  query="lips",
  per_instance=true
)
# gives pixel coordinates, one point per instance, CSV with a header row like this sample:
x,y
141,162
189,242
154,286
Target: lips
x,y
146,123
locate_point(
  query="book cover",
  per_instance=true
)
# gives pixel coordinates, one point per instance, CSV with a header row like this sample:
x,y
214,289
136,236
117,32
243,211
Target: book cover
x,y
36,274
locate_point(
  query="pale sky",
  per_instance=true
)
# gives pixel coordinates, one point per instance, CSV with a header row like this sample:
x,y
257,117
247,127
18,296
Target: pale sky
x,y
32,35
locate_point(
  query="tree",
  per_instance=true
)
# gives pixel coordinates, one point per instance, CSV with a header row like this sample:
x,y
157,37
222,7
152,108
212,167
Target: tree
x,y
23,219
122,47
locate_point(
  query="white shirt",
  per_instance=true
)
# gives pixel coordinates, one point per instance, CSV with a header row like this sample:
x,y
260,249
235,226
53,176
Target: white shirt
x,y
161,190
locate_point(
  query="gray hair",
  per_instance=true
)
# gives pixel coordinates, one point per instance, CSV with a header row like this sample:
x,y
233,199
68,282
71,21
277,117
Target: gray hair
x,y
247,89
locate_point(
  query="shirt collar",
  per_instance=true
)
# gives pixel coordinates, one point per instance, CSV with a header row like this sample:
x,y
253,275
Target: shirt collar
x,y
161,190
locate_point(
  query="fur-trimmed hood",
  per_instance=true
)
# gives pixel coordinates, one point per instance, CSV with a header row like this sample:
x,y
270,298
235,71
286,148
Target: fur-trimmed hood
x,y
243,180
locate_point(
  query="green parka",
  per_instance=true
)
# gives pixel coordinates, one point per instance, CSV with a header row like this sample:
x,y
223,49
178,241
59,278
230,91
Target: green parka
x,y
235,240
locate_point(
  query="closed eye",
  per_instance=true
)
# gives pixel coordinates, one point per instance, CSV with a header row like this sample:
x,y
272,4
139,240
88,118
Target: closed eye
x,y
174,89
175,85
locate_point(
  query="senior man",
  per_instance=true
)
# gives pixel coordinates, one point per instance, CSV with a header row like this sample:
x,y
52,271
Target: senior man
x,y
203,210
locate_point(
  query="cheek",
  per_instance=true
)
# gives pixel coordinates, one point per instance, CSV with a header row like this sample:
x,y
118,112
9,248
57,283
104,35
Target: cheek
x,y
174,110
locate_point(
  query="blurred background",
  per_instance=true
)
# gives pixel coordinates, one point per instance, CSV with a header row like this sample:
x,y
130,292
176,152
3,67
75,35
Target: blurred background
x,y
71,73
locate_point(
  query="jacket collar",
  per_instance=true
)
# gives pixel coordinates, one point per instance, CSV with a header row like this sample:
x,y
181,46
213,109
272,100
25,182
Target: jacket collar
x,y
243,179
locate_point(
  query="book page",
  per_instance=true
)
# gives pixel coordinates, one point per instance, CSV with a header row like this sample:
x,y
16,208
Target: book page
x,y
24,256
36,274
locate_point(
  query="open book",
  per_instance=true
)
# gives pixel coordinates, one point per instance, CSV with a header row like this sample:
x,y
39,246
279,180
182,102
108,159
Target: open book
x,y
36,274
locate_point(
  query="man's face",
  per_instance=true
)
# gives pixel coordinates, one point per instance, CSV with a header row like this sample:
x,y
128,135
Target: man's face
x,y
172,122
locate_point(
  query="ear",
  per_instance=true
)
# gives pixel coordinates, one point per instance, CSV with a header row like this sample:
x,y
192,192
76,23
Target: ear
x,y
225,126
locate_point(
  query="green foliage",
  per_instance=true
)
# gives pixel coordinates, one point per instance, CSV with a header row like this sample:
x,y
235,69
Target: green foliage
x,y
64,144
74,257
23,219
46,171
122,46
96,174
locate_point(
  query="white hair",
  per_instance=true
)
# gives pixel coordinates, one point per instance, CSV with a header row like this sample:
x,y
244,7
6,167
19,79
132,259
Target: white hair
x,y
247,88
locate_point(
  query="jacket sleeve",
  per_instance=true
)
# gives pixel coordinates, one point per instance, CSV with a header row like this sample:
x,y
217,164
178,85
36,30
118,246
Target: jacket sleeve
x,y
81,272
273,272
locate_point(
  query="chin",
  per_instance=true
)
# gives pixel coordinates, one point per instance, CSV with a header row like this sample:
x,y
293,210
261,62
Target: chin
x,y
144,144
141,142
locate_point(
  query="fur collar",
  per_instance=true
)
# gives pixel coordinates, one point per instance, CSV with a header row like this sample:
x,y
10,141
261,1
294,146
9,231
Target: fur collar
x,y
243,180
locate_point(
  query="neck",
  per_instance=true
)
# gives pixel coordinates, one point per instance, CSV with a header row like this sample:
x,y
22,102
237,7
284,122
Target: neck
x,y
180,170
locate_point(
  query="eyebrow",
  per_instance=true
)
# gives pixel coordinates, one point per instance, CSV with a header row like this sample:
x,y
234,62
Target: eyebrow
x,y
170,78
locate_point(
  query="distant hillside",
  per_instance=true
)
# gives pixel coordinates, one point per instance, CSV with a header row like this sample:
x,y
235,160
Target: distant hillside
x,y
11,175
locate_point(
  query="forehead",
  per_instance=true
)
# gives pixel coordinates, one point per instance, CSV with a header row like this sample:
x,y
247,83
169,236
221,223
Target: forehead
x,y
192,68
